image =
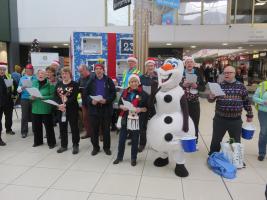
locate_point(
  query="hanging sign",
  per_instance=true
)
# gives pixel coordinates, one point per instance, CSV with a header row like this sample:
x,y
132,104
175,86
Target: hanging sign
x,y
120,4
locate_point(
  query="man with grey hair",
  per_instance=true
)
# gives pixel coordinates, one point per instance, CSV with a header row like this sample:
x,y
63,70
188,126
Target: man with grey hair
x,y
84,80
228,109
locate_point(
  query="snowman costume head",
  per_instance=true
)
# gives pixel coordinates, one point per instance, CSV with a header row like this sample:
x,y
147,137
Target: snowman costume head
x,y
170,74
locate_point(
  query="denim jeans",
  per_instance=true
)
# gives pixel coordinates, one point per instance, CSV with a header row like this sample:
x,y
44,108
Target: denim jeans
x,y
263,132
135,139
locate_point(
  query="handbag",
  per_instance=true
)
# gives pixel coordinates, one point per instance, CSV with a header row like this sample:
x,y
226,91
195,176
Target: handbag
x,y
221,166
234,152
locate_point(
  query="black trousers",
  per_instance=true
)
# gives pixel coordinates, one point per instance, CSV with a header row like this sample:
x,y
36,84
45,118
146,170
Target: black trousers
x,y
220,126
72,119
194,113
103,123
7,110
37,123
143,122
26,111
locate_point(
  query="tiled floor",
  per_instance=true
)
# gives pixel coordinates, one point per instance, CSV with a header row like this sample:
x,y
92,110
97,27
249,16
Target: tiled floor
x,y
28,173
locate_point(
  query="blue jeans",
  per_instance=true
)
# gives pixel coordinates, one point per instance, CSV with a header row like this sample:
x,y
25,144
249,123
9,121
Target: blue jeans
x,y
122,139
263,132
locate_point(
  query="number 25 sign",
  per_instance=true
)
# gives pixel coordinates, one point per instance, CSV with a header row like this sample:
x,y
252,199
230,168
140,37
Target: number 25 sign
x,y
126,46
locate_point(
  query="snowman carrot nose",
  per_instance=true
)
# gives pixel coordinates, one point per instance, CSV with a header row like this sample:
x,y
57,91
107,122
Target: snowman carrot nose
x,y
167,67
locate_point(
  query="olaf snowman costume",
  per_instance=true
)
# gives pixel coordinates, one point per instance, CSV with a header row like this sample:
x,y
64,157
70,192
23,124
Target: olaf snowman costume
x,y
171,121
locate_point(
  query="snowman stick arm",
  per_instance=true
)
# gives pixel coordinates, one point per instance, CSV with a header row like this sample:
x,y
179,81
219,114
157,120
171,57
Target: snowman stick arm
x,y
185,112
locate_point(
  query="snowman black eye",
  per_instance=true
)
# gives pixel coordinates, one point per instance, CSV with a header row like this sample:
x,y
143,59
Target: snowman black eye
x,y
168,120
168,137
167,98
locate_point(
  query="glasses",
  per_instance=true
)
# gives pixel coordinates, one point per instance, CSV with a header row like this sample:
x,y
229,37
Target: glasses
x,y
228,72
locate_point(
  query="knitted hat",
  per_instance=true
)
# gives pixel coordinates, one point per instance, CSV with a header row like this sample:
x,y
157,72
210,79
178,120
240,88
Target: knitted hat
x,y
3,65
189,59
134,76
55,62
132,58
150,61
29,66
99,65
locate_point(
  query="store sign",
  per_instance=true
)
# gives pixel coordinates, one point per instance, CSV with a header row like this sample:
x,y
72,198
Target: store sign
x,y
169,3
262,54
43,59
126,46
120,4
256,56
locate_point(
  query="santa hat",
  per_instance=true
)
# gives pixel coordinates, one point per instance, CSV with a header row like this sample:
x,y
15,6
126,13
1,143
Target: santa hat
x,y
132,58
150,61
55,62
29,66
3,65
134,76
99,65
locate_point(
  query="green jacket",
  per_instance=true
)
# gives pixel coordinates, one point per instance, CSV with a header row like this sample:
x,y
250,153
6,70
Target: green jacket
x,y
47,91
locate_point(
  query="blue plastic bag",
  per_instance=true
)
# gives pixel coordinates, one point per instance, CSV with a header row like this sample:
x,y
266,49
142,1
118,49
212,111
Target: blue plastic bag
x,y
221,166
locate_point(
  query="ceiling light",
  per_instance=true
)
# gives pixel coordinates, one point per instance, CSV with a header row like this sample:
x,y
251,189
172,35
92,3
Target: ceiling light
x,y
65,44
260,3
246,52
193,46
255,51
168,44
55,47
251,45
240,47
224,44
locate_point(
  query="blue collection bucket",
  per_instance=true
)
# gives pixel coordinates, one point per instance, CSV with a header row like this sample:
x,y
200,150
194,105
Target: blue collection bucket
x,y
248,131
189,144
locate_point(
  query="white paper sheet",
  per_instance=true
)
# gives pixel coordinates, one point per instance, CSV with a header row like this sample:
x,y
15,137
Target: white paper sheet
x,y
97,98
192,78
51,102
8,82
26,83
216,89
128,105
147,89
34,92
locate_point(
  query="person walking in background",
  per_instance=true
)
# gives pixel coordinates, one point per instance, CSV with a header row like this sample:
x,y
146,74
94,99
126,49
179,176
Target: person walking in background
x,y
228,110
239,76
66,93
26,105
130,122
192,91
148,80
85,77
16,75
260,98
42,112
100,111
6,101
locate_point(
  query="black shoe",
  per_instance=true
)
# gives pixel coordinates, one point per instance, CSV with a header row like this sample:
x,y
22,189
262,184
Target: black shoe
x,y
23,135
52,146
2,143
130,143
161,162
62,149
107,151
116,161
133,163
141,148
181,171
260,158
94,152
36,145
75,149
10,132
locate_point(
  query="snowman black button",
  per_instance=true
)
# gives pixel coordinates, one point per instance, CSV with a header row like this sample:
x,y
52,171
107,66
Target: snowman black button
x,y
167,98
168,120
168,137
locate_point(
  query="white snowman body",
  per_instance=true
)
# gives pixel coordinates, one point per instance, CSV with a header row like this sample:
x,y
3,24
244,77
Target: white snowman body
x,y
165,128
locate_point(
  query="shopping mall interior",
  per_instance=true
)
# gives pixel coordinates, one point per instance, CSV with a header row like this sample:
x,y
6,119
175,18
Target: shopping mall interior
x,y
214,32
